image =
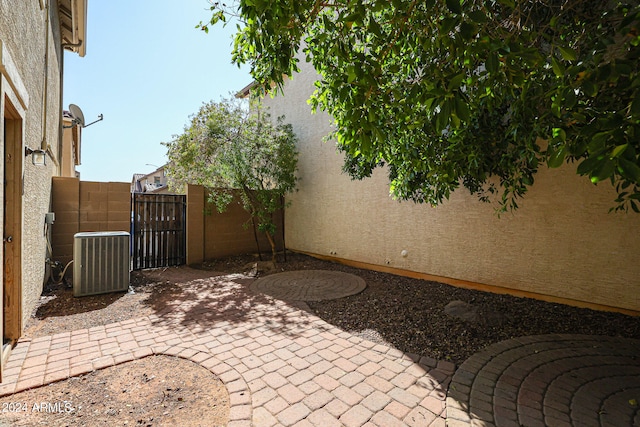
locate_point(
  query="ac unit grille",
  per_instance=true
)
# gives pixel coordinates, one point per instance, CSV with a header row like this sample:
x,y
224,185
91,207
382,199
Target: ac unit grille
x,y
100,262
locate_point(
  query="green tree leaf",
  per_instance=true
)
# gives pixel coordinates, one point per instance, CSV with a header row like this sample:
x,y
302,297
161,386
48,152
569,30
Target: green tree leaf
x,y
629,170
478,16
558,68
462,109
619,150
454,6
492,62
556,159
455,81
587,166
634,108
603,170
467,30
568,53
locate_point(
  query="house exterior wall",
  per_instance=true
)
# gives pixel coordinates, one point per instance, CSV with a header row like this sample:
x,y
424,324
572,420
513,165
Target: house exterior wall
x,y
154,182
24,31
70,150
562,244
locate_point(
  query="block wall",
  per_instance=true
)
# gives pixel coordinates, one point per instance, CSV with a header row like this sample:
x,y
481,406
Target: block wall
x,y
81,206
212,234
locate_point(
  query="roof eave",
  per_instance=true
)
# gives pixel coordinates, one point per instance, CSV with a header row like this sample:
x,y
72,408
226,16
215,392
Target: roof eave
x,y
80,25
73,22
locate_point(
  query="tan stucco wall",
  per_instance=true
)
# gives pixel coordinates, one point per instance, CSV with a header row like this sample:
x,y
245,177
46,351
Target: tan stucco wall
x,y
561,242
68,150
23,35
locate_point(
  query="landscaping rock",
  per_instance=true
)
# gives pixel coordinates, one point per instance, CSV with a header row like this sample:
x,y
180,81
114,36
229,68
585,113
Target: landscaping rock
x,y
254,268
462,310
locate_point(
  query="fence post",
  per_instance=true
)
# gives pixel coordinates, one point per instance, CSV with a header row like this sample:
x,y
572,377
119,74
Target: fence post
x,y
195,224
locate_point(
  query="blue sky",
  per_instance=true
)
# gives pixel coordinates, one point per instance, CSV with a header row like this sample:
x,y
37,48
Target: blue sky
x,y
147,69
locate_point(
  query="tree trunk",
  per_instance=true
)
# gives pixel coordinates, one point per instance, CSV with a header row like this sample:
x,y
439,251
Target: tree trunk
x,y
273,247
255,236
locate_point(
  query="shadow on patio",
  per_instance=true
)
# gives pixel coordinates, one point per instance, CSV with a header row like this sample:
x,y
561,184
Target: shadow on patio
x,y
201,299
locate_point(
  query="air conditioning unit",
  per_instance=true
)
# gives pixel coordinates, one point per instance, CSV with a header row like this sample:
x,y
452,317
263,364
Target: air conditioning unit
x,y
100,262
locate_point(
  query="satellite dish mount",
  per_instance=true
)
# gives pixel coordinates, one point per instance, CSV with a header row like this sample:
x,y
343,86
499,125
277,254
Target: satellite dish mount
x,y
77,117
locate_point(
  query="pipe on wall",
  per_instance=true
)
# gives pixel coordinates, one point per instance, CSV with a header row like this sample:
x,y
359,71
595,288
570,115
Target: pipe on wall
x,y
45,92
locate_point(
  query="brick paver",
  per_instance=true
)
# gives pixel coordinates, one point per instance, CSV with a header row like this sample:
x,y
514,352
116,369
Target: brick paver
x,y
549,380
281,365
309,285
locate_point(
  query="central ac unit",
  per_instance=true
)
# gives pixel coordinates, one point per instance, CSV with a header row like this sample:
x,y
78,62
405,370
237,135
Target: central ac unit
x,y
100,262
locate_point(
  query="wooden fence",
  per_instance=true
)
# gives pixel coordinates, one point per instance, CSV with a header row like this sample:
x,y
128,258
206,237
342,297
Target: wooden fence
x,y
158,232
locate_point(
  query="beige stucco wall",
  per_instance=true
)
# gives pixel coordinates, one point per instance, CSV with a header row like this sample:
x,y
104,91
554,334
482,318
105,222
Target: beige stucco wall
x,y
69,149
23,35
562,242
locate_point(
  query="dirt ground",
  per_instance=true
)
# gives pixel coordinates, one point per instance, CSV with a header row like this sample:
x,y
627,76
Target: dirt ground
x,y
161,390
153,391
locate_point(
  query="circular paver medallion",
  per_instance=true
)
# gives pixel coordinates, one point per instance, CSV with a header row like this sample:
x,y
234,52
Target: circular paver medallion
x,y
309,285
549,380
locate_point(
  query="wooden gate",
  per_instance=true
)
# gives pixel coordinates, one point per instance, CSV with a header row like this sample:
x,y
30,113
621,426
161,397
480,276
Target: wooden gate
x,y
158,230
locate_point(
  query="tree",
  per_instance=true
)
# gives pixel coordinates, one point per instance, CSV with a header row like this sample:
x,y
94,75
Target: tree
x,y
230,149
472,93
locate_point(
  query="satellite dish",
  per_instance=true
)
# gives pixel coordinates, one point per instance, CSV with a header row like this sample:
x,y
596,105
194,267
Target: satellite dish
x,y
77,115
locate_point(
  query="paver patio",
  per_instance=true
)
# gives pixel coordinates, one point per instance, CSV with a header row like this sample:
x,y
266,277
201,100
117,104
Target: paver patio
x,y
280,364
284,366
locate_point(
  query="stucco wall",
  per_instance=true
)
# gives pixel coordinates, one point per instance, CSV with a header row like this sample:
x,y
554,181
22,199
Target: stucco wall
x,y
562,242
23,33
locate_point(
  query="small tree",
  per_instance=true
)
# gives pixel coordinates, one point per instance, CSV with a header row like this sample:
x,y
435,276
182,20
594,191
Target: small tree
x,y
230,149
